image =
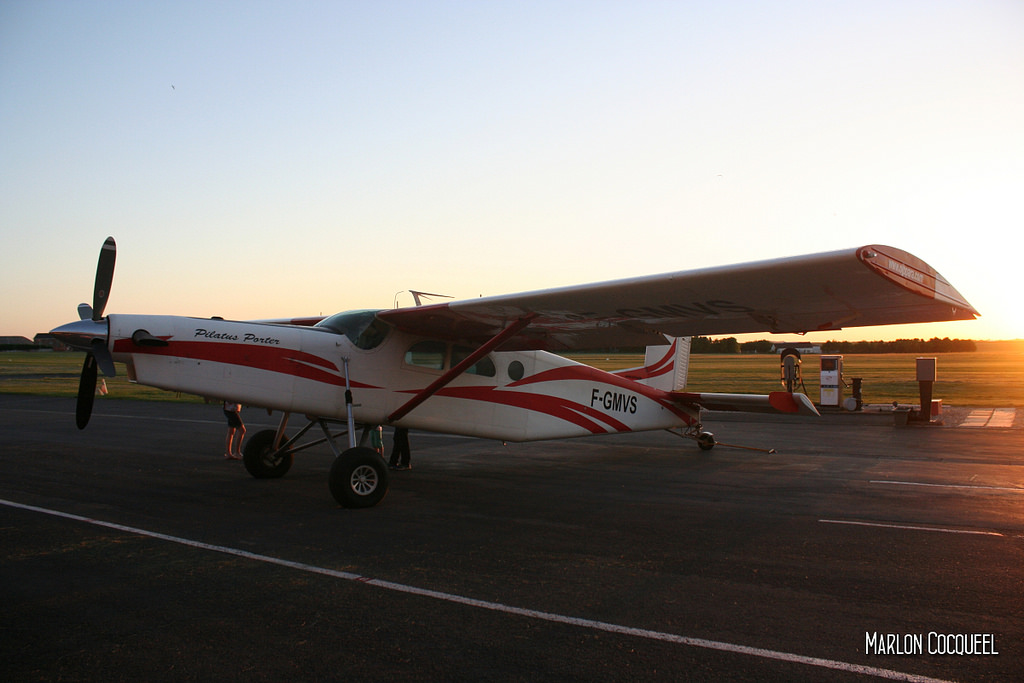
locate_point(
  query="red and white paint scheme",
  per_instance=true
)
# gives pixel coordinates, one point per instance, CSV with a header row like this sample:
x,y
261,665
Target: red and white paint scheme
x,y
487,367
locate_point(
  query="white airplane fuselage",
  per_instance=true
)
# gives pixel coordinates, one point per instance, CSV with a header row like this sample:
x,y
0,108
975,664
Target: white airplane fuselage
x,y
511,396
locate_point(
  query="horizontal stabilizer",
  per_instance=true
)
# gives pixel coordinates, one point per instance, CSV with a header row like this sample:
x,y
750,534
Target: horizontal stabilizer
x,y
775,402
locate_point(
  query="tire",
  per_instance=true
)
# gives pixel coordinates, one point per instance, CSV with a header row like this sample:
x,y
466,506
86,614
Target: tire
x,y
706,441
359,478
260,459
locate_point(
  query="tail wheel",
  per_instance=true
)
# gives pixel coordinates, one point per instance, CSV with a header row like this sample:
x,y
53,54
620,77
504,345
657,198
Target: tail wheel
x,y
262,460
706,441
359,478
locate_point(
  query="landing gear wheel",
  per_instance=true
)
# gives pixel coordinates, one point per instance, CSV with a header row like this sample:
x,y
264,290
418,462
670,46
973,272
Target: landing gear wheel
x,y
359,478
260,458
706,441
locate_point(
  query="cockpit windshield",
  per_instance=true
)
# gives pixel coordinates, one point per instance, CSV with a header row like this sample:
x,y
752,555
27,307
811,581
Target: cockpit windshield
x,y
361,327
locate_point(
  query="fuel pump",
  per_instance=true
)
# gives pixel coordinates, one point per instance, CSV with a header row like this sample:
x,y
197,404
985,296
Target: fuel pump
x,y
831,380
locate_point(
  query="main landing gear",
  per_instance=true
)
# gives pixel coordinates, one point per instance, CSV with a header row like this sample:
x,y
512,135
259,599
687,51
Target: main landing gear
x,y
359,475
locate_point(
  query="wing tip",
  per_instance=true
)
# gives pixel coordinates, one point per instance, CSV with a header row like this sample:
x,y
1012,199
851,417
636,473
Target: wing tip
x,y
911,273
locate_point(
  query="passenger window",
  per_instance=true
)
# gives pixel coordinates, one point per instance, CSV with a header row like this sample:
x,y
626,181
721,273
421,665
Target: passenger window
x,y
516,371
483,367
427,354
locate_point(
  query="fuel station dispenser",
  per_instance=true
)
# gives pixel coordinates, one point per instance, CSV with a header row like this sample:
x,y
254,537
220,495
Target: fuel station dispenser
x,y
926,374
831,381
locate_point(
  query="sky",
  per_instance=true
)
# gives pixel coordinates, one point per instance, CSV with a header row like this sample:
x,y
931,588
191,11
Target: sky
x,y
273,159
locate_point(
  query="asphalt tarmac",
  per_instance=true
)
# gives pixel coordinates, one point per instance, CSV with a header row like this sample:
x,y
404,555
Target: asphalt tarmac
x,y
858,551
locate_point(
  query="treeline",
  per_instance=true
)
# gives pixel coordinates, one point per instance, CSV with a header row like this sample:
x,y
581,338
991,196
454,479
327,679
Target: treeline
x,y
21,347
728,345
933,345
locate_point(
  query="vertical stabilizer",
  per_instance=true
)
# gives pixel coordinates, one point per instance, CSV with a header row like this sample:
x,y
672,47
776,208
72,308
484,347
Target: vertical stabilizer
x,y
665,367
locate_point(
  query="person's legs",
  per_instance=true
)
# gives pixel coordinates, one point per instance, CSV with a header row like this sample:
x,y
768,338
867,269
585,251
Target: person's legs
x,y
238,433
403,446
400,449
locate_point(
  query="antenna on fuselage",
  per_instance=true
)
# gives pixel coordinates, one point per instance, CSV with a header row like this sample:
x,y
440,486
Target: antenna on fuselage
x,y
416,296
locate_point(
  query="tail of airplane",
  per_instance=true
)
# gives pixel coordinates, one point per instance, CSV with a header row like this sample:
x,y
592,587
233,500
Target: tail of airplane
x,y
665,367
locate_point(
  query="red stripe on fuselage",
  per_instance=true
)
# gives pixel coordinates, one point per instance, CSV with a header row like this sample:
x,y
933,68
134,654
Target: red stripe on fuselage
x,y
580,414
562,408
655,369
282,360
585,373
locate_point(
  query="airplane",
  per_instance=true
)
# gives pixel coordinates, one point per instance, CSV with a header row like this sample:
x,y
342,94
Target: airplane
x,y
489,367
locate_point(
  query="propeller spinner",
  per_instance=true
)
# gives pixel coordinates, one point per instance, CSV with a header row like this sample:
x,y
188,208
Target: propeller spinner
x,y
91,334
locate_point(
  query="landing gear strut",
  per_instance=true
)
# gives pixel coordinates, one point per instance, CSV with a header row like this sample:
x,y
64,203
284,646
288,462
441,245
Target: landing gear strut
x,y
359,477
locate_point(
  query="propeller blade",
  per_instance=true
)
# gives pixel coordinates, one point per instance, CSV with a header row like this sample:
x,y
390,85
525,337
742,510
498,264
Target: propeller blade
x,y
104,278
103,358
86,392
84,312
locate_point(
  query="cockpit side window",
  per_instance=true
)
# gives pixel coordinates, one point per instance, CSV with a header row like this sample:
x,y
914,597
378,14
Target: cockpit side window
x,y
372,335
427,354
433,355
362,328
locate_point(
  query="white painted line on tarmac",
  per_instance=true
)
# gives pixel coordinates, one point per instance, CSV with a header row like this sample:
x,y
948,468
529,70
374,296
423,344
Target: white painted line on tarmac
x,y
977,418
499,607
1002,417
987,417
910,527
969,487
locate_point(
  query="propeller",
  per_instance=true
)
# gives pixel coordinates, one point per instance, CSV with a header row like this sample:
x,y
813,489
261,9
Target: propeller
x,y
86,392
97,355
104,278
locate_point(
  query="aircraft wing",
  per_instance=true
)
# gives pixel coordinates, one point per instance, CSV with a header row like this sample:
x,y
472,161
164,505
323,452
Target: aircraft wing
x,y
871,285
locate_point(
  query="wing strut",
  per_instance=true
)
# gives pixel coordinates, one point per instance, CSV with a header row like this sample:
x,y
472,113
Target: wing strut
x,y
464,365
349,417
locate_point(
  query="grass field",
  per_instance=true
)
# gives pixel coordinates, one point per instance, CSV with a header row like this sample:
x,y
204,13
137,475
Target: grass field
x,y
992,376
45,373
